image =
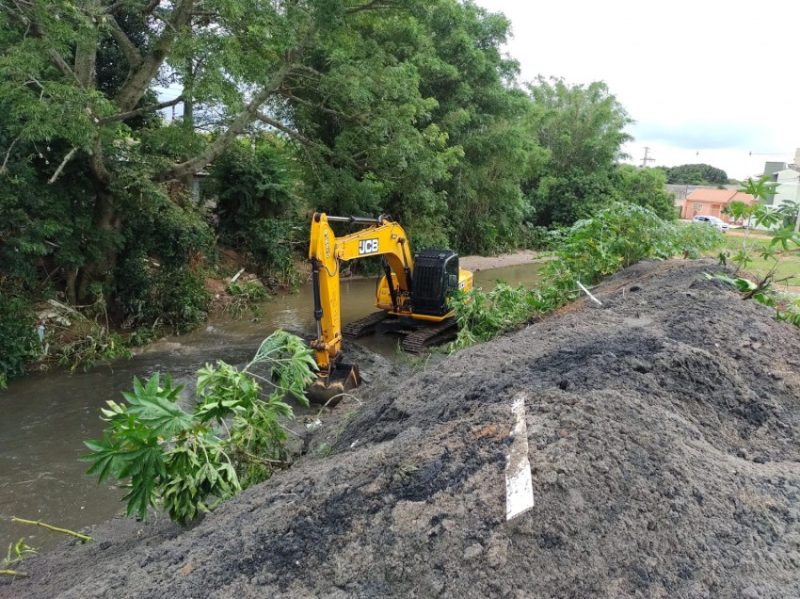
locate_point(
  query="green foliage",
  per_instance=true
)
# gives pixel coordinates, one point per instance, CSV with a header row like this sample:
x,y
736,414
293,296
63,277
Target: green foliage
x,y
17,330
583,130
560,201
244,294
788,211
645,187
482,315
787,308
159,276
614,238
696,174
582,127
16,553
539,238
759,214
91,348
253,183
189,460
693,239
250,290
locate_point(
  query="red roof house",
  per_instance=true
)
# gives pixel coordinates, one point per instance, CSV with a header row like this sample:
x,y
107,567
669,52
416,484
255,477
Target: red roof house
x,y
707,201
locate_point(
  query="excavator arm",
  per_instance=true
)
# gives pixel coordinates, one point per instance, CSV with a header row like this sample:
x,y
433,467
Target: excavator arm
x,y
382,237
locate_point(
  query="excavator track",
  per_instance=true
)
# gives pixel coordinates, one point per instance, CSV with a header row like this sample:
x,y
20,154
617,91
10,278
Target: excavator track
x,y
364,326
416,336
428,336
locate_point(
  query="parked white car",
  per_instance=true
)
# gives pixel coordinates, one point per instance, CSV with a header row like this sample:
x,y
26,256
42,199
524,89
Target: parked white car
x,y
712,220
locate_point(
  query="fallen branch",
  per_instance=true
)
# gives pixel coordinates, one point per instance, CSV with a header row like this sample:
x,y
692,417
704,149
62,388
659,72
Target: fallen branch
x,y
13,573
265,461
61,166
66,531
8,154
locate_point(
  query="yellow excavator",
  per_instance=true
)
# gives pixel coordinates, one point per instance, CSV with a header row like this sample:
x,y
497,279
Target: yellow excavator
x,y
412,294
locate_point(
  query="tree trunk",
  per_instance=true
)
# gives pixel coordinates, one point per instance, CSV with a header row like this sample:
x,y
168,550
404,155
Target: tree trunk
x,y
107,221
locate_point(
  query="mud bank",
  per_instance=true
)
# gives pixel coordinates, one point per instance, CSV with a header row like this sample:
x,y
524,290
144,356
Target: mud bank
x,y
478,263
662,434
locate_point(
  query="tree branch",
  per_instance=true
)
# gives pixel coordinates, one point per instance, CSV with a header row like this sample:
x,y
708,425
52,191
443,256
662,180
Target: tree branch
x,y
122,116
65,531
37,32
61,166
242,120
12,573
289,95
8,155
281,127
137,84
129,49
96,163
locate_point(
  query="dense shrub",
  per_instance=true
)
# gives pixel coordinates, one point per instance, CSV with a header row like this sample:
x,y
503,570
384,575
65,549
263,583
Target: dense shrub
x,y
159,278
614,238
17,331
256,206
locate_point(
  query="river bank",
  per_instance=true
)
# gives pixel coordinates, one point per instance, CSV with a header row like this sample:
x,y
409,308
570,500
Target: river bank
x,y
411,497
520,257
48,415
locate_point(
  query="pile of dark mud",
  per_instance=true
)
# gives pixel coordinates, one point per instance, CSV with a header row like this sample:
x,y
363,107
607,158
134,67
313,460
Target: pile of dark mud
x,y
663,442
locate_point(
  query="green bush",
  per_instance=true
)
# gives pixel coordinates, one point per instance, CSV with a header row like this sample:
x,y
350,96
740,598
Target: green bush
x,y
159,277
189,460
18,334
482,316
615,238
256,205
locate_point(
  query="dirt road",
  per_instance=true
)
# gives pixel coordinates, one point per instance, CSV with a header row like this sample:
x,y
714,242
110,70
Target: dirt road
x,y
662,432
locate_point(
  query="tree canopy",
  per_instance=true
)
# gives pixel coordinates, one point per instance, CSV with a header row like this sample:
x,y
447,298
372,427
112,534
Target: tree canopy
x,y
402,107
696,174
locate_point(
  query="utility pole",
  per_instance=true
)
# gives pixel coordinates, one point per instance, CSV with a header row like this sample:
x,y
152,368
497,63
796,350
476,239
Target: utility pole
x,y
647,158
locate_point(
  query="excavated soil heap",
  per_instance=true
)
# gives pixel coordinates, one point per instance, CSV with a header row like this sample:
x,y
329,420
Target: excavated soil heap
x,y
663,443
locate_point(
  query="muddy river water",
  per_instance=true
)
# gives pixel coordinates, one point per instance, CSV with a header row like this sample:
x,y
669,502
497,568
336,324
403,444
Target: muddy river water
x,y
45,418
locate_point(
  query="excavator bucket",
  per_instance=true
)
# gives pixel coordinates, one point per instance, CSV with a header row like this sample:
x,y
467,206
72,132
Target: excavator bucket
x,y
330,387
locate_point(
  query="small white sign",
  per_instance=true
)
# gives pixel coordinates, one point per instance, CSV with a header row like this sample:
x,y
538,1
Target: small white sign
x,y
519,484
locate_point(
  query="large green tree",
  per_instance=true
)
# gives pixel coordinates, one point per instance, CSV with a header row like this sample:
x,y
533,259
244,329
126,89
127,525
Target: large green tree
x,y
483,112
696,174
81,84
583,129
645,187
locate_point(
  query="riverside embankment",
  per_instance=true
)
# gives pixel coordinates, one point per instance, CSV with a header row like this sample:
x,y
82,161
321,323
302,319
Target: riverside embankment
x,y
662,433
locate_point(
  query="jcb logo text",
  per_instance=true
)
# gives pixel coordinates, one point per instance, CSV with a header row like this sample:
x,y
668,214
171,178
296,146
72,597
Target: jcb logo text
x,y
367,246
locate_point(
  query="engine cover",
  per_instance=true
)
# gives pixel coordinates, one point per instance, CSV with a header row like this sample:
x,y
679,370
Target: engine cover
x,y
435,277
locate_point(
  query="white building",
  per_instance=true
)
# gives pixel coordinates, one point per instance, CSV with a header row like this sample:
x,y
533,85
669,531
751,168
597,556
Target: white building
x,y
788,189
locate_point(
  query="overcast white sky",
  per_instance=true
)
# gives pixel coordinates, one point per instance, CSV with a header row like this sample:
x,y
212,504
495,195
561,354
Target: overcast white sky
x,y
705,80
